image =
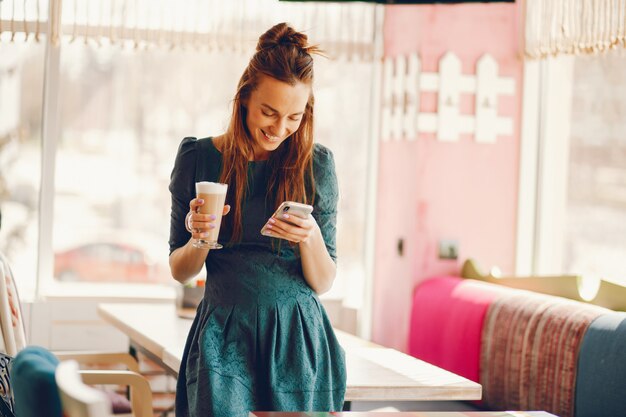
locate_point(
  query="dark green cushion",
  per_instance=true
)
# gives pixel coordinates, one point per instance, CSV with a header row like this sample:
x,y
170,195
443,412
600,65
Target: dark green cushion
x,y
601,379
34,388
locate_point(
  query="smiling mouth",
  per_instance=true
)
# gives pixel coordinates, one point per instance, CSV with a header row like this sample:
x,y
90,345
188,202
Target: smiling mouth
x,y
270,137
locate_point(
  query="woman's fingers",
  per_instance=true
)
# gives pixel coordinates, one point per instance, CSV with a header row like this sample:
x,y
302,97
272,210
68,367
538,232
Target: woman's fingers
x,y
284,230
195,203
199,223
202,222
287,228
290,218
281,234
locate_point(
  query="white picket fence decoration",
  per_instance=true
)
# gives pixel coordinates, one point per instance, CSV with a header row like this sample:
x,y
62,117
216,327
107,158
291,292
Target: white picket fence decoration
x,y
403,82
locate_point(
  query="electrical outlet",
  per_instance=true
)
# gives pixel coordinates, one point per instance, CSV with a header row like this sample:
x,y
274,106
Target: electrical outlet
x,y
400,247
448,249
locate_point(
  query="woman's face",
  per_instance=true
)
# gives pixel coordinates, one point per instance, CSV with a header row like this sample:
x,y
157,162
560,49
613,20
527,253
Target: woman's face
x,y
274,112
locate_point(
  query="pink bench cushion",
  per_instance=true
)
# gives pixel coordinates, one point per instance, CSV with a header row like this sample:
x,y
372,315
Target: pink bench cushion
x,y
446,323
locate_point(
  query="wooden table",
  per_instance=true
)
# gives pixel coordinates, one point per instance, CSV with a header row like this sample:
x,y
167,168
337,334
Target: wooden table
x,y
375,373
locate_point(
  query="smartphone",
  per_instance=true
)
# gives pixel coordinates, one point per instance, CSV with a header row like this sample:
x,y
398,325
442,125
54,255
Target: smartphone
x,y
293,209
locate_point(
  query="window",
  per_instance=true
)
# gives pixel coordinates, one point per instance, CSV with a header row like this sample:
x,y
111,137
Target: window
x,y
21,89
577,221
341,107
124,113
130,86
595,239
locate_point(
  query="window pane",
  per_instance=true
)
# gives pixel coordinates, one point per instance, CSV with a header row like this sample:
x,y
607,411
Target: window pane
x,y
596,212
21,90
342,103
124,113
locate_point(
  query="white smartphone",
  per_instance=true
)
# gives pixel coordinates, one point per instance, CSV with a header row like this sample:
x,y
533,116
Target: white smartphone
x,y
293,209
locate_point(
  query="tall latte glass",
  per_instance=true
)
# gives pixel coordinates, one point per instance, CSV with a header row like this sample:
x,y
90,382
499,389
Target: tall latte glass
x,y
214,196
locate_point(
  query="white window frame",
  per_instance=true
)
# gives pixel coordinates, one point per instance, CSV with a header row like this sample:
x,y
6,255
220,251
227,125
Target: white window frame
x,y
50,132
366,311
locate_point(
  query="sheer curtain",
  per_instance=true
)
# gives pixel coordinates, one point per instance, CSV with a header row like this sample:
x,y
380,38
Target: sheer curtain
x,y
345,30
573,26
22,20
214,24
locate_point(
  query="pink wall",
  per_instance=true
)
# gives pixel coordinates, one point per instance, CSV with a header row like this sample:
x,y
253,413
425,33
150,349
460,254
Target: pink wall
x,y
431,190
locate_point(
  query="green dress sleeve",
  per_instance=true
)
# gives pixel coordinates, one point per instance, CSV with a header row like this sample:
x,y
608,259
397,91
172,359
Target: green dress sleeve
x,y
182,189
326,197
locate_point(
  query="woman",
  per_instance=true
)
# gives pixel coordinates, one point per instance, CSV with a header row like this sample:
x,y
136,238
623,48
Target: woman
x,y
261,340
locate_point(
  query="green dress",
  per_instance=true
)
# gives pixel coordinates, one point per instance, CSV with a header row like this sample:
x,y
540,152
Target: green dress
x,y
261,340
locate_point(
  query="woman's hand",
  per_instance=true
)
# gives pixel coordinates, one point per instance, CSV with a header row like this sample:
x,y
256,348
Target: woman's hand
x,y
187,261
292,228
318,267
199,224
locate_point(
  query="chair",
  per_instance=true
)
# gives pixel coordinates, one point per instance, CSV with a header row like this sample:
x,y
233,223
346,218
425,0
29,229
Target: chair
x,y
13,341
78,399
44,386
81,400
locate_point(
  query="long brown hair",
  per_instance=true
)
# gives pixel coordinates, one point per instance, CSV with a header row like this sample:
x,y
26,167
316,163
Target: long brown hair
x,y
283,54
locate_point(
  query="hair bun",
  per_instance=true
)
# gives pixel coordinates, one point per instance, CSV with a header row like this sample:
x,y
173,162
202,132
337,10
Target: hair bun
x,y
282,35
